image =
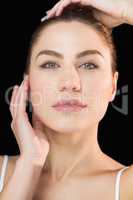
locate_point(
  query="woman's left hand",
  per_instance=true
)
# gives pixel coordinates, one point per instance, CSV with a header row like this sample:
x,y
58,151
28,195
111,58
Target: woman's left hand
x,y
110,12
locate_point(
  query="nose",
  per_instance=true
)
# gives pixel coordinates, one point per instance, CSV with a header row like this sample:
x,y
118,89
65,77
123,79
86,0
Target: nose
x,y
70,81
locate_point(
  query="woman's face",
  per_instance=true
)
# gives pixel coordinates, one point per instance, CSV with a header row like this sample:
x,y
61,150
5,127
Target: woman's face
x,y
49,83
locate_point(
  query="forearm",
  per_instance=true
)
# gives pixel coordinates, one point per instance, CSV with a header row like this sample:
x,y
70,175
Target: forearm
x,y
23,182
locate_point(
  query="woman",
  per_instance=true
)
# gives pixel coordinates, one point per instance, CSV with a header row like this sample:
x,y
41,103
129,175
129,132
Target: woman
x,y
71,78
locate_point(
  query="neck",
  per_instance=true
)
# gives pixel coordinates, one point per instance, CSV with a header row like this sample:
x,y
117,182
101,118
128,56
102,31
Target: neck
x,y
72,153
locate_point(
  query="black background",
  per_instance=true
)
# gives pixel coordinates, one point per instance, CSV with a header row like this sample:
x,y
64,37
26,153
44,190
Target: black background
x,y
18,21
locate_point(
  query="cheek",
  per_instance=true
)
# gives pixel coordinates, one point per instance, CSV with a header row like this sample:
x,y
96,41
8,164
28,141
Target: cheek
x,y
36,87
98,84
97,94
41,92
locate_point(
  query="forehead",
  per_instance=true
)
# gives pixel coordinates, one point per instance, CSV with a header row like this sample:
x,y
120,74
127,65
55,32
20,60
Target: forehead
x,y
69,38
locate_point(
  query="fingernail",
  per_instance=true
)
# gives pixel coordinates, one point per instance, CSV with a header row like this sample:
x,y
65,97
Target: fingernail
x,y
15,87
44,18
47,11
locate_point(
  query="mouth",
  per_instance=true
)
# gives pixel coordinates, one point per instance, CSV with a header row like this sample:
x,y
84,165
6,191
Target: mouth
x,y
69,105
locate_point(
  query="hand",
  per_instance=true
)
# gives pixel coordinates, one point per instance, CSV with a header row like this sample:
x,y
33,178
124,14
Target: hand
x,y
110,12
32,142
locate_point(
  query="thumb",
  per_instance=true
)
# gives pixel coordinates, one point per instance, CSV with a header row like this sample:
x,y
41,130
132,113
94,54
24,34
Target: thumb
x,y
39,127
106,19
37,124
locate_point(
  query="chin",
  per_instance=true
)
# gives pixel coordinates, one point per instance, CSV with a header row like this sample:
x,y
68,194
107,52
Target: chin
x,y
69,127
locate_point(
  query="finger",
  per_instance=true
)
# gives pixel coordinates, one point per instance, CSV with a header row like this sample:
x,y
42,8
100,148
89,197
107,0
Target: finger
x,y
21,108
11,101
62,6
39,127
106,19
15,94
14,105
57,10
52,11
37,124
17,100
66,3
15,89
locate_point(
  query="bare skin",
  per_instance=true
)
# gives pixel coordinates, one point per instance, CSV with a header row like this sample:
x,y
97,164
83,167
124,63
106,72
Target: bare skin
x,y
68,187
111,13
67,140
81,182
108,13
75,167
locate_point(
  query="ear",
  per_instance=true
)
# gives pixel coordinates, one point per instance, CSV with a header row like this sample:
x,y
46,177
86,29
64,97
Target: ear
x,y
114,86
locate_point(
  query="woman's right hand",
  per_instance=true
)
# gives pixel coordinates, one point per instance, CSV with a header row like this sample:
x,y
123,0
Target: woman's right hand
x,y
32,142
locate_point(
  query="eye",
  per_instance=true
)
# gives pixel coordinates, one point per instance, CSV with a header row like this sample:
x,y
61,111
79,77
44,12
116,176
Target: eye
x,y
48,65
90,65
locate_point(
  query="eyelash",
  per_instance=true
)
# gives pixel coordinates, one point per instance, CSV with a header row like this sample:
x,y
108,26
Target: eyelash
x,y
49,62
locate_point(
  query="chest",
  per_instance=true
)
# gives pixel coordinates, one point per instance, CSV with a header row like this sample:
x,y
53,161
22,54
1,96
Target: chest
x,y
76,190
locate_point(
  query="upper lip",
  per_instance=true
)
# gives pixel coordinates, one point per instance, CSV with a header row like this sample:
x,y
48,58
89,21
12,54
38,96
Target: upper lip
x,y
71,102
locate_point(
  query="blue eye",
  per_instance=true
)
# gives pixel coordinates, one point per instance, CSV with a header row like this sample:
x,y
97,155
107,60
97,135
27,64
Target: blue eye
x,y
90,66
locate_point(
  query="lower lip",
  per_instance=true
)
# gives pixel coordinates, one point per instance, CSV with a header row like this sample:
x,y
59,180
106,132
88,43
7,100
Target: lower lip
x,y
68,108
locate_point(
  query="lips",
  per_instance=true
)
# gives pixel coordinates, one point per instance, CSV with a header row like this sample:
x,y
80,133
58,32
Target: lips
x,y
71,102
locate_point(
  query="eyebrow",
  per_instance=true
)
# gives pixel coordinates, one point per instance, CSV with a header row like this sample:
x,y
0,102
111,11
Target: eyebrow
x,y
59,55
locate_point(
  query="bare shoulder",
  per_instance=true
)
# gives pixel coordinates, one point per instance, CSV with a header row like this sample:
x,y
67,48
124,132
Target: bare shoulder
x,y
10,166
126,183
112,164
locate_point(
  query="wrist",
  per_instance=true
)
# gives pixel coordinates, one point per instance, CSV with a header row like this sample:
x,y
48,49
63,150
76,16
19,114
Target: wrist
x,y
31,161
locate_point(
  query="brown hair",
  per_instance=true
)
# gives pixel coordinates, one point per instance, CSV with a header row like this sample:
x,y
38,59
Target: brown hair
x,y
80,13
